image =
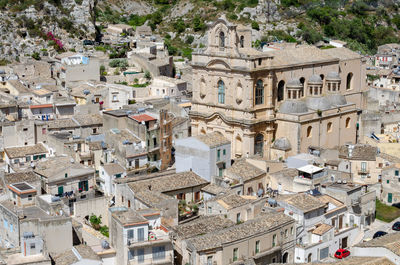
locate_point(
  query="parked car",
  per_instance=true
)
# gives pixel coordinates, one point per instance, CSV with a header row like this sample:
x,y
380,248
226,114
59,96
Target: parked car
x,y
379,234
396,226
342,253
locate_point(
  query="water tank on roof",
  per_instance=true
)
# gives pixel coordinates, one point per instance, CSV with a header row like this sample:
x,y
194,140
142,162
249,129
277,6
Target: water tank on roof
x,y
28,235
86,92
105,244
126,142
55,199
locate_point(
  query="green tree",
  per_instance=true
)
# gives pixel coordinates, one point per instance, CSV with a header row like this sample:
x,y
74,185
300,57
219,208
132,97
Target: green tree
x,y
36,56
179,25
254,25
95,221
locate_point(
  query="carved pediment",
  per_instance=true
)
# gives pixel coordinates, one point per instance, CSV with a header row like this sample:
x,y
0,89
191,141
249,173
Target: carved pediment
x,y
218,64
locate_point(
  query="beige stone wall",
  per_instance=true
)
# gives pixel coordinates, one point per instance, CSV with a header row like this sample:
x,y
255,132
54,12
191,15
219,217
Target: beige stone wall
x,y
240,119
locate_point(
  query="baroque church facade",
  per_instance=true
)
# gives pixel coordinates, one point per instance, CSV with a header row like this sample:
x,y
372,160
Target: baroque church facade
x,y
276,102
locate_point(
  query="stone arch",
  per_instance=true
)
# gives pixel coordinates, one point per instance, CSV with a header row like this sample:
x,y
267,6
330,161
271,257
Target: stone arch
x,y
309,132
285,257
348,124
349,81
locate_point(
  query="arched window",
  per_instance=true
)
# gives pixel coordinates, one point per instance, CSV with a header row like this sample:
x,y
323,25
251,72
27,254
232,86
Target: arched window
x,y
222,39
259,99
349,81
302,81
221,92
241,41
239,93
329,127
348,122
322,77
281,90
259,144
203,91
238,146
309,132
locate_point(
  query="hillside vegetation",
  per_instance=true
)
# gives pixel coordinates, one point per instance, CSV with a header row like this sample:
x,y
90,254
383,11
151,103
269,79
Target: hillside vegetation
x,y
364,24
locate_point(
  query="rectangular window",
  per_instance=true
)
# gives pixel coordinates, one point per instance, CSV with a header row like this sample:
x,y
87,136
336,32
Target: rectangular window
x,y
224,152
209,260
396,173
28,158
209,209
131,254
218,155
220,171
83,185
33,246
117,176
363,166
140,254
130,234
238,219
257,246
159,253
273,240
140,234
235,254
387,181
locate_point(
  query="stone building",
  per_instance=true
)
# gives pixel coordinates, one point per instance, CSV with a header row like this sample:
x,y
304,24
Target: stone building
x,y
254,97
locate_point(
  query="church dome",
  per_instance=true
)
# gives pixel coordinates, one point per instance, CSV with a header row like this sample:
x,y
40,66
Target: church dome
x,y
293,107
315,80
337,100
294,83
282,144
318,103
333,76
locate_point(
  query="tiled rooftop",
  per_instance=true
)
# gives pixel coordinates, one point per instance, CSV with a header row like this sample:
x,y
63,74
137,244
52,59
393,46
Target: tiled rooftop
x,y
389,241
213,139
242,169
233,200
202,225
113,169
23,176
151,198
360,152
262,224
302,201
22,151
169,183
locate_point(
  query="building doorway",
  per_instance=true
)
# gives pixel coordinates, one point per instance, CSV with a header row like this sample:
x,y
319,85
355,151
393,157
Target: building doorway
x,y
309,258
259,144
285,257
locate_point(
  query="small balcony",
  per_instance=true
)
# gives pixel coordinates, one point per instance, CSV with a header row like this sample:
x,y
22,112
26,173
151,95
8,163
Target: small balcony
x,y
155,236
148,259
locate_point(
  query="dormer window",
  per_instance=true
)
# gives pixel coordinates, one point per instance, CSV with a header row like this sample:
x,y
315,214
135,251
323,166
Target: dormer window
x,y
221,39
